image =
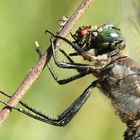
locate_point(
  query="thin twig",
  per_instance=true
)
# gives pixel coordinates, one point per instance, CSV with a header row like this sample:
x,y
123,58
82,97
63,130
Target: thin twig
x,y
35,72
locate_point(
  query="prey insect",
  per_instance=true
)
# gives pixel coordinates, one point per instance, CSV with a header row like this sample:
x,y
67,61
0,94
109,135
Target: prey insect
x,y
117,76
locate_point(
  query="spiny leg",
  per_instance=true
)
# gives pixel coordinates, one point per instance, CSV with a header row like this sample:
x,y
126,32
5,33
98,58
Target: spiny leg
x,y
67,56
65,117
83,71
63,81
78,49
76,66
69,79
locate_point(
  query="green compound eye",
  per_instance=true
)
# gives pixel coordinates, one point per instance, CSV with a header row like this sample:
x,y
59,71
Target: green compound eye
x,y
108,37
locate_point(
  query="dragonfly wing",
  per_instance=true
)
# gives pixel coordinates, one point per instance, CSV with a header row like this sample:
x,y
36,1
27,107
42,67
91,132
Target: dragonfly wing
x,y
131,26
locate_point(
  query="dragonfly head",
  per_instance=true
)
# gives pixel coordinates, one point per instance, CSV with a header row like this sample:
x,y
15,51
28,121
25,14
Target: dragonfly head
x,y
101,39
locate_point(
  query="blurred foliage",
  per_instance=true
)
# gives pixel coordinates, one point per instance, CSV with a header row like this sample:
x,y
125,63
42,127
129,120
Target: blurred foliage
x,y
24,21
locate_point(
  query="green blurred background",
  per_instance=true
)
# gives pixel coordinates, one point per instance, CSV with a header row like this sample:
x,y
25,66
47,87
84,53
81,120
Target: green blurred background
x,y
24,21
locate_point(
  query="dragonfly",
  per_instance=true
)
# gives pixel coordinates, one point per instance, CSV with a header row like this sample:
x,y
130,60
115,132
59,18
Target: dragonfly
x,y
117,75
106,43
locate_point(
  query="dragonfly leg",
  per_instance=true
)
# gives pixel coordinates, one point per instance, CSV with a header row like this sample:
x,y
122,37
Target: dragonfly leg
x,y
76,66
66,55
69,79
65,117
63,81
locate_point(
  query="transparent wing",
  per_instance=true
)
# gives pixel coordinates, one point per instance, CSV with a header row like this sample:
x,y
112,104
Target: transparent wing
x,y
131,25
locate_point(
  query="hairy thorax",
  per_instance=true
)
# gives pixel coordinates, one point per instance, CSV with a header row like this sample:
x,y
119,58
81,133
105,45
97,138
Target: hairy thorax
x,y
122,84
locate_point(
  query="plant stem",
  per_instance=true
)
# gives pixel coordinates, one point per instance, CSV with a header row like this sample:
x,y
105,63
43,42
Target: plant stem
x,y
35,72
